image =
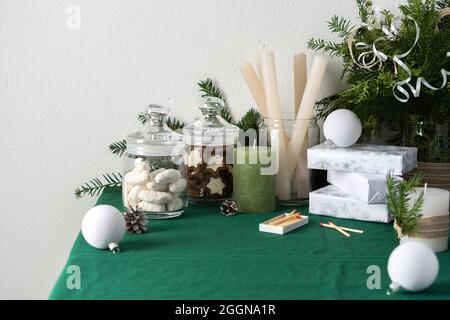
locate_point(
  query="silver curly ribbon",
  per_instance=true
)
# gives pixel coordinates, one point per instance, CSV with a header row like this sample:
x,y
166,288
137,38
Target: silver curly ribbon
x,y
373,57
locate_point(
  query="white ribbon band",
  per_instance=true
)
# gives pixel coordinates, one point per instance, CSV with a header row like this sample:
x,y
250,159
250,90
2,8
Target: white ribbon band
x,y
373,57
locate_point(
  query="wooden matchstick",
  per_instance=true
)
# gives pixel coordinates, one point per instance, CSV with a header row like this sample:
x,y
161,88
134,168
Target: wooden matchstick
x,y
339,229
294,219
286,217
343,228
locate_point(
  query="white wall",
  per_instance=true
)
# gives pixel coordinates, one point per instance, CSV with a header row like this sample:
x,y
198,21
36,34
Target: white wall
x,y
66,94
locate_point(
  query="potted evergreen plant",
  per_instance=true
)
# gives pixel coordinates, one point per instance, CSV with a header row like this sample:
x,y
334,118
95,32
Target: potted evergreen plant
x,y
396,70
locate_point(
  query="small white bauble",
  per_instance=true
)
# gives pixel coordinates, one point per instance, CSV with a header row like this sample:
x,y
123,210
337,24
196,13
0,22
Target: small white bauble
x,y
343,127
103,227
412,266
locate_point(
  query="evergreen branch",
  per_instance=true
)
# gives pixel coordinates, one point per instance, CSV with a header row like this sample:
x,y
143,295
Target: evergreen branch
x,y
340,26
118,147
251,120
331,48
226,115
95,186
209,89
398,198
142,118
365,10
174,124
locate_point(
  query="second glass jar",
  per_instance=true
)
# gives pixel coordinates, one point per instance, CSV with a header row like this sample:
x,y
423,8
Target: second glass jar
x,y
209,155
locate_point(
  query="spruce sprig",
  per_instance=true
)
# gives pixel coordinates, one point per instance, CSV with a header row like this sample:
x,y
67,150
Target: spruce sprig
x,y
340,26
251,120
226,115
118,147
142,118
329,47
365,9
95,186
398,197
208,88
174,124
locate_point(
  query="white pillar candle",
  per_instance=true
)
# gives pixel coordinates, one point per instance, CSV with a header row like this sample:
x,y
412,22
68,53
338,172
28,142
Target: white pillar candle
x,y
436,203
306,110
259,67
300,76
278,141
255,86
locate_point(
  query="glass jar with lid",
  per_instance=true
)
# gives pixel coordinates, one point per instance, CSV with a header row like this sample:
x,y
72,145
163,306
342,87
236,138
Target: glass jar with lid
x,y
209,154
154,173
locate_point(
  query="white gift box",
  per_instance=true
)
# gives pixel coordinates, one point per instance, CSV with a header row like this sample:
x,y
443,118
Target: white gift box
x,y
332,201
360,158
369,188
266,227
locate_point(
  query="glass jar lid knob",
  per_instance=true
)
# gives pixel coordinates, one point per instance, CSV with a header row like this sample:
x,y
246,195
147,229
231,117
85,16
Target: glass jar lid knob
x,y
212,106
156,114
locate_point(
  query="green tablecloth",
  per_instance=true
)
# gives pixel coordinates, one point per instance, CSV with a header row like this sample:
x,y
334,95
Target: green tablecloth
x,y
204,255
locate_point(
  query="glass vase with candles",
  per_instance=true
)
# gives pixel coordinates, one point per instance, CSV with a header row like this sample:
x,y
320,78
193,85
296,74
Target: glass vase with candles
x,y
294,180
209,154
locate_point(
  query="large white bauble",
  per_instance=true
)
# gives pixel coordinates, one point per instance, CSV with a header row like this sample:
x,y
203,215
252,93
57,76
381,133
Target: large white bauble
x,y
413,266
103,225
343,127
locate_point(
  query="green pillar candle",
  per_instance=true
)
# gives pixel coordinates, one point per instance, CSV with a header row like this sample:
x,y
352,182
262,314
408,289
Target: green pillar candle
x,y
253,191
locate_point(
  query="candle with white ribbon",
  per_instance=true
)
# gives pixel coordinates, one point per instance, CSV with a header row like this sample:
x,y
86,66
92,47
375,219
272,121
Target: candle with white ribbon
x,y
433,227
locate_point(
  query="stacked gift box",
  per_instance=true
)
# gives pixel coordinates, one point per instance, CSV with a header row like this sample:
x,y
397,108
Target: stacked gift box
x,y
358,179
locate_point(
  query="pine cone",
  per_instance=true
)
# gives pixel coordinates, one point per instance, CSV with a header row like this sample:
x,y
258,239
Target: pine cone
x,y
136,220
228,208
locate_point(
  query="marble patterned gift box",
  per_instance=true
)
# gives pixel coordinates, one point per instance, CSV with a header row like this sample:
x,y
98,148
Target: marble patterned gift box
x,y
332,201
367,187
361,158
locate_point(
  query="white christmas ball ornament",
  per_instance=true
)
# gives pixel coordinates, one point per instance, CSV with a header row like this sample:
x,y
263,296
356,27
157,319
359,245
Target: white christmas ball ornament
x,y
343,127
103,227
412,266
